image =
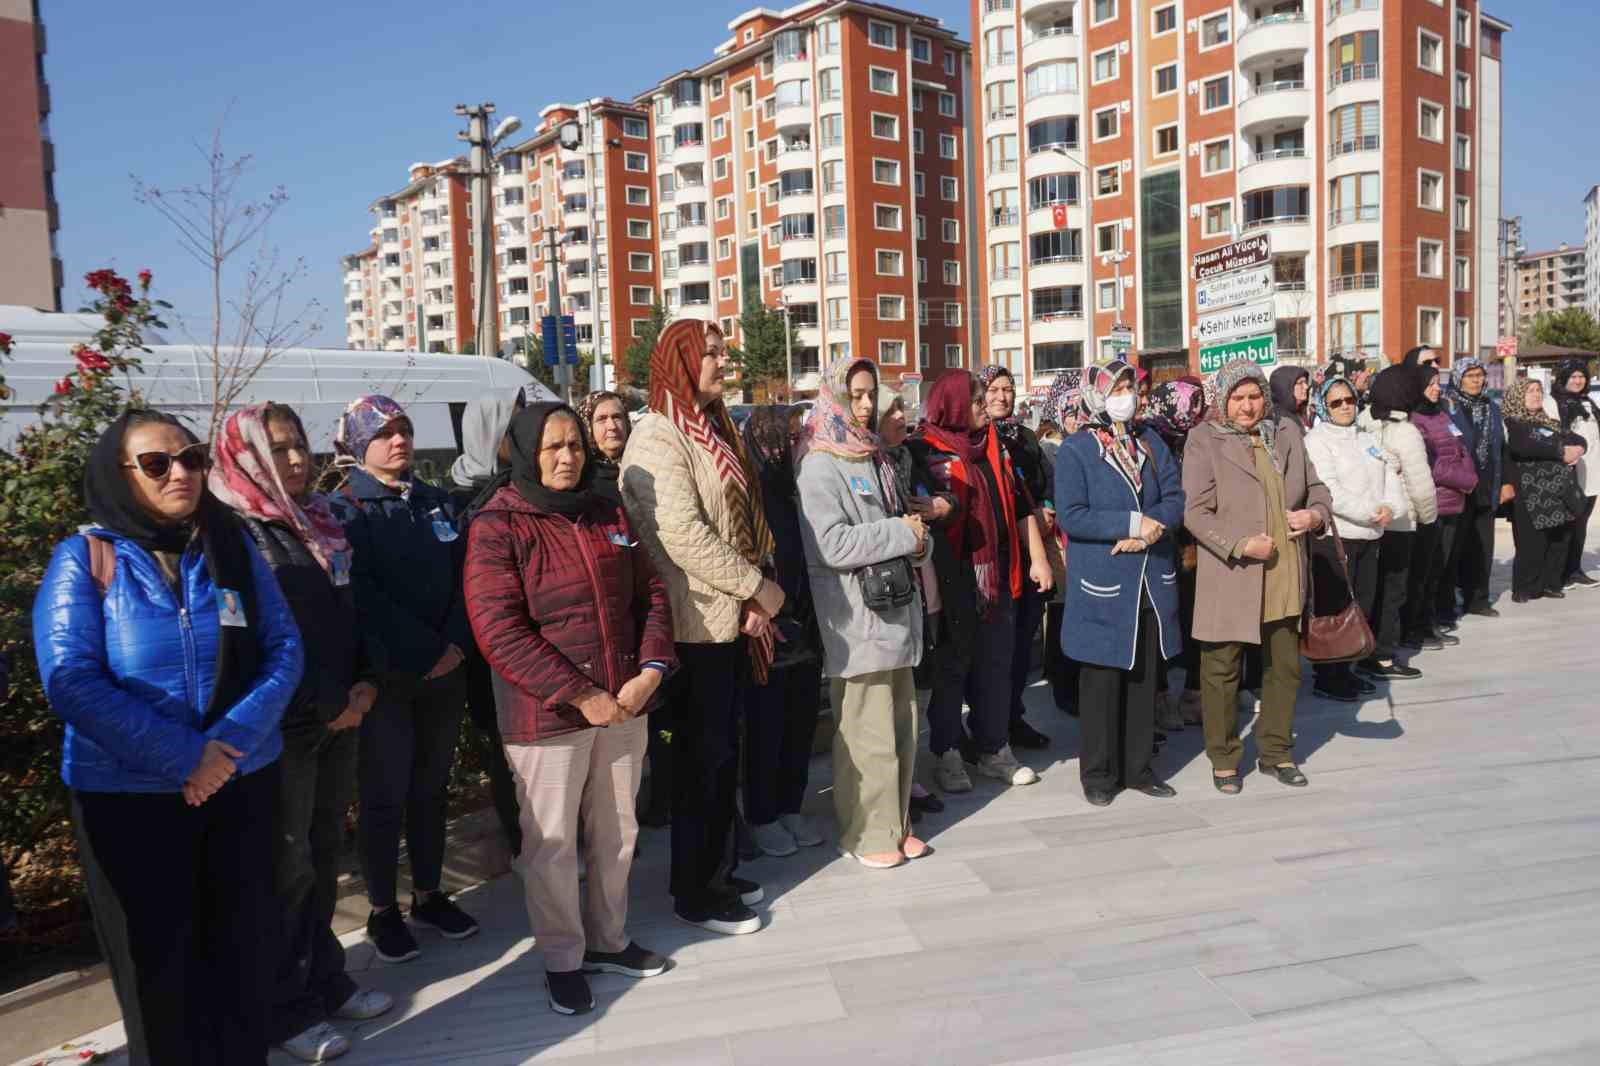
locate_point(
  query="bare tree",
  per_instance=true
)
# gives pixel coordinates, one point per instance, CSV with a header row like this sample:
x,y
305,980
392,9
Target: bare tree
x,y
215,222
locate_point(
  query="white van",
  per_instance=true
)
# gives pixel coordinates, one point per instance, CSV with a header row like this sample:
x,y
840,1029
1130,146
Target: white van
x,y
317,382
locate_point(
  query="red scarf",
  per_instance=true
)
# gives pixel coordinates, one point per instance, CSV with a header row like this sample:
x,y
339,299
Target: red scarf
x,y
947,426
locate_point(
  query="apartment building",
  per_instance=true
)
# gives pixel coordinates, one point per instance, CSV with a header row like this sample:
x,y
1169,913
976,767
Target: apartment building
x,y
1550,281
817,162
30,268
361,283
595,203
1591,251
1121,137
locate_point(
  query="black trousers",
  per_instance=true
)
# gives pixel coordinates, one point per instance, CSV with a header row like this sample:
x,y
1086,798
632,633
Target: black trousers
x,y
1190,657
1541,560
408,742
481,712
1030,613
318,774
1332,595
1475,551
1061,671
780,722
1117,715
980,674
1579,538
708,699
1429,554
1394,570
183,909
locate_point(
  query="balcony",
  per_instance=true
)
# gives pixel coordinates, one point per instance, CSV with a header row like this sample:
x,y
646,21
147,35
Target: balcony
x,y
576,184
1274,167
796,156
1003,166
1351,283
689,153
1056,271
793,114
1273,38
1275,106
1352,72
1051,43
838,277
1006,114
1005,273
1004,216
1361,142
1337,8
998,12
1007,325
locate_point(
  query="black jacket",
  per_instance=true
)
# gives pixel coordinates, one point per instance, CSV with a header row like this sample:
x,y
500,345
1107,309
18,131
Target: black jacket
x,y
406,573
1547,488
329,631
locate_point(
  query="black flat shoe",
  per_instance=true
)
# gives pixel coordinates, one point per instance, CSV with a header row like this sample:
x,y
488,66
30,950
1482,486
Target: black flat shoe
x,y
1483,610
1518,597
1228,786
1100,797
1286,775
1554,594
1363,686
1024,735
1158,789
929,804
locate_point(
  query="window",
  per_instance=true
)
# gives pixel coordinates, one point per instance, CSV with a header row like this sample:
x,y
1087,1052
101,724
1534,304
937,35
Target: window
x,y
1105,296
947,146
797,227
1464,29
1430,190
881,34
952,357
725,248
1217,219
1167,140
1430,52
950,231
890,264
882,81
891,309
638,229
1464,90
952,314
1463,152
1165,19
1463,277
1051,133
1061,355
635,127
719,128
886,172
952,272
949,63
1108,180
1108,237
1288,203
1052,189
1049,78
1105,65
1214,31
1166,78
1353,57
1430,259
719,168
1430,326
1353,198
1216,93
640,295
1055,246
921,50
1430,121
831,129
637,162
922,279
1104,11
949,190
637,195
1353,128
886,216
1463,212
1107,123
639,261
1463,336
1216,156
947,105
919,227
828,37
892,353
886,127
917,185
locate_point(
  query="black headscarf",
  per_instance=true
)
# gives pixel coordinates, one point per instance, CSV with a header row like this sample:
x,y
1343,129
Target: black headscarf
x,y
766,438
1427,375
527,436
1572,405
109,497
1395,390
1282,384
1413,356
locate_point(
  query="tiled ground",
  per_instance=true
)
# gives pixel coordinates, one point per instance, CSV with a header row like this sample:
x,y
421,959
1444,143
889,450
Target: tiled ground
x,y
1432,898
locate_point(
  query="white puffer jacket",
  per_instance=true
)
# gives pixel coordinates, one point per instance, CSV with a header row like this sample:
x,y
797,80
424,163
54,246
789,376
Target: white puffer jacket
x,y
1403,441
1352,464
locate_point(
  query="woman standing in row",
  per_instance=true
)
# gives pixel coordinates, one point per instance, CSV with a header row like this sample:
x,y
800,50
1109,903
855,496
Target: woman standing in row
x,y
1251,496
861,549
1579,416
1478,418
1119,492
1175,409
1454,479
166,647
1541,467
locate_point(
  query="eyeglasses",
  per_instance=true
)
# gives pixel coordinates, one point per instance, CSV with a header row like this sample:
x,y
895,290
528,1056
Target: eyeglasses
x,y
157,466
1343,401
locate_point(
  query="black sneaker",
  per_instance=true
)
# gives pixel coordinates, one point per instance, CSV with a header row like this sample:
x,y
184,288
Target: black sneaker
x,y
1337,691
389,933
749,892
1412,642
1430,642
441,912
1362,685
1024,735
1554,594
1394,671
1483,610
631,961
1581,580
720,916
1448,640
569,992
1447,625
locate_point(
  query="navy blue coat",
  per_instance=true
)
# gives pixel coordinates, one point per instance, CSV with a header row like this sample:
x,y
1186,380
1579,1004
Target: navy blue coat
x,y
1093,505
131,672
1488,480
406,572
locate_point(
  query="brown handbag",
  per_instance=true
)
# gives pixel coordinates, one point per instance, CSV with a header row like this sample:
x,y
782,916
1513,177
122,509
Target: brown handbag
x,y
1337,638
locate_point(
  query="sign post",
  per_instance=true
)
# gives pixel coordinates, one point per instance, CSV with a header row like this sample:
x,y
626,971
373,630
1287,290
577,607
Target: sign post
x,y
1240,255
1233,293
1263,351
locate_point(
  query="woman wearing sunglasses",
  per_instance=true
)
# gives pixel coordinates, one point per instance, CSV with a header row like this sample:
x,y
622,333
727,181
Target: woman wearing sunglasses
x,y
171,701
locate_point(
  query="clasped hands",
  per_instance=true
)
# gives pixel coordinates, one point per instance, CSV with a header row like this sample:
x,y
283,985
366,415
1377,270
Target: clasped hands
x,y
1261,547
1150,531
601,708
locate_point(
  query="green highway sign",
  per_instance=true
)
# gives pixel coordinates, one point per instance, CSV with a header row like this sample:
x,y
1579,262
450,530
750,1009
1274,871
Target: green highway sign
x,y
1263,351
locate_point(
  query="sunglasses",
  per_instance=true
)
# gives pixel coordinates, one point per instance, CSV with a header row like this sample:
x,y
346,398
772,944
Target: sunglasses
x,y
156,466
1343,401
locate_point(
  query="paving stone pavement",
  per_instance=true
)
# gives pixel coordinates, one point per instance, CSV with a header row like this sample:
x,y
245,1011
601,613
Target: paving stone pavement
x,y
1432,898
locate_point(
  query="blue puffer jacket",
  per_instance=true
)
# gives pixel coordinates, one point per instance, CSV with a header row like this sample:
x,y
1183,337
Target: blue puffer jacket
x,y
132,678
1095,506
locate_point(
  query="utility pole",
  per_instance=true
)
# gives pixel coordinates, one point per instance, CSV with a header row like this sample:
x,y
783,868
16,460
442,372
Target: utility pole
x,y
563,372
477,136
788,352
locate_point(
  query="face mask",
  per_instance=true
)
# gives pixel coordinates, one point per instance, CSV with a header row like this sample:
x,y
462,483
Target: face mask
x,y
1121,408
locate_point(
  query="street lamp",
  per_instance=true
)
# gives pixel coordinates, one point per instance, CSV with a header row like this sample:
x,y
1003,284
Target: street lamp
x,y
482,144
1116,258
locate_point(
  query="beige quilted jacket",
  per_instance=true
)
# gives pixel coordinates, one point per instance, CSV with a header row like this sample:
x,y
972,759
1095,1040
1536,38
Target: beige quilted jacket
x,y
674,500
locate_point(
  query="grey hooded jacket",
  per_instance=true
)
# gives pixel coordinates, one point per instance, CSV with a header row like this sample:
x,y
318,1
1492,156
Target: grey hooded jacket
x,y
483,426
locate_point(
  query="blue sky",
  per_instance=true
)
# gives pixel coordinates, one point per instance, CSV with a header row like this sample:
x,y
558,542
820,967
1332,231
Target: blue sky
x,y
335,99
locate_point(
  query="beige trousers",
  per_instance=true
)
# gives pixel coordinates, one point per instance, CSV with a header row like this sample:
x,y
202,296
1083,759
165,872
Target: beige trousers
x,y
874,759
593,773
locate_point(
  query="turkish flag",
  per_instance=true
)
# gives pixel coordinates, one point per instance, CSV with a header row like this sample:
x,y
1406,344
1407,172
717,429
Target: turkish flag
x,y
1058,215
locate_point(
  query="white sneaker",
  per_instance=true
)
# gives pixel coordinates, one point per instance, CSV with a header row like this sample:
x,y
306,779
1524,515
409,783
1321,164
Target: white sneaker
x,y
319,1043
803,828
1003,766
773,839
951,773
1249,701
364,1003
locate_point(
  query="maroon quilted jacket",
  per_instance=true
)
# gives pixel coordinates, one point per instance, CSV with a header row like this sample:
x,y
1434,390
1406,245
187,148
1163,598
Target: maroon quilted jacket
x,y
1454,474
557,605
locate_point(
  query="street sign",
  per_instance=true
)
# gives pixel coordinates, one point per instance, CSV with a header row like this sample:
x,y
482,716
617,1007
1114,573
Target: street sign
x,y
1058,216
1250,320
1240,286
1121,339
1252,251
1506,347
1263,351
548,334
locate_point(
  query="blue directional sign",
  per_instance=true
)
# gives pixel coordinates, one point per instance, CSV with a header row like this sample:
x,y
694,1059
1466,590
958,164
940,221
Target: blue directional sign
x,y
547,333
569,339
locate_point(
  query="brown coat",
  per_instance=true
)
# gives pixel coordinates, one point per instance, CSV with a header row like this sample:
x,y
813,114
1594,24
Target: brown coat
x,y
1225,503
